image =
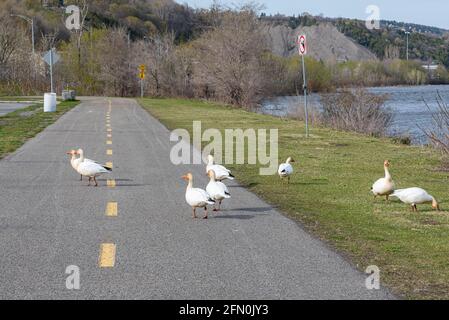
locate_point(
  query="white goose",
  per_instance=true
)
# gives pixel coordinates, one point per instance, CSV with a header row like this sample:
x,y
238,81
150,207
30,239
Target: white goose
x,y
384,186
89,168
221,172
286,169
217,190
74,161
414,196
196,197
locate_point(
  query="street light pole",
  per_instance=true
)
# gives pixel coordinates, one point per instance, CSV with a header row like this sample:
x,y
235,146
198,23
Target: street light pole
x,y
406,34
31,21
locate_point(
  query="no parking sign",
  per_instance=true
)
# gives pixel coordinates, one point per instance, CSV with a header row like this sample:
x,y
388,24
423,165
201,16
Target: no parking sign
x,y
302,44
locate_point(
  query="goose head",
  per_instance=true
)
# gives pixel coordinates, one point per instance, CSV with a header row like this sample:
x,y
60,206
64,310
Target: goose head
x,y
290,159
211,174
71,152
435,205
187,177
386,163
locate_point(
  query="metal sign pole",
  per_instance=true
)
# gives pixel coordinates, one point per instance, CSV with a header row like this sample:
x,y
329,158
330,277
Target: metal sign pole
x,y
304,86
141,88
51,70
302,49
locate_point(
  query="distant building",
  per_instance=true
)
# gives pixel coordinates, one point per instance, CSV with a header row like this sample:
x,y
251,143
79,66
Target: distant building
x,y
430,67
52,3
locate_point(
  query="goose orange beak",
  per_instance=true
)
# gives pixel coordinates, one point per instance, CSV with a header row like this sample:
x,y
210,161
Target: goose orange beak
x,y
185,177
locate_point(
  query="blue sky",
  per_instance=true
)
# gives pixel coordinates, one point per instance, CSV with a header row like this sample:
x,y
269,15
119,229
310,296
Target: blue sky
x,y
427,12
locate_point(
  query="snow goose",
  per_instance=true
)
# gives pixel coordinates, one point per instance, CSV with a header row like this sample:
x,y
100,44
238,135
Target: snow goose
x,y
74,161
89,168
221,172
414,196
384,186
196,197
286,169
217,190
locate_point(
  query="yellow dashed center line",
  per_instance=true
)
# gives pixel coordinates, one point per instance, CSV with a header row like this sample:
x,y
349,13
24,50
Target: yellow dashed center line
x,y
108,250
107,255
112,209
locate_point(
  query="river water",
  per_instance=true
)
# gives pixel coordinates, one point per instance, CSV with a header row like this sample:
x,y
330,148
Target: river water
x,y
406,103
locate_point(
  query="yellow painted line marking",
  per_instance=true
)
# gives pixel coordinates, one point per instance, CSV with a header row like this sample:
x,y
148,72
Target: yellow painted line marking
x,y
109,135
108,125
112,209
109,164
111,183
107,255
109,130
109,142
109,152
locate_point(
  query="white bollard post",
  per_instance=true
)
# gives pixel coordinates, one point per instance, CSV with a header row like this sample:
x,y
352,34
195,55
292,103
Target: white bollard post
x,y
49,102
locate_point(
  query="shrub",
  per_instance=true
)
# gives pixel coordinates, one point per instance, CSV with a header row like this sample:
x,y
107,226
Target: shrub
x,y
356,110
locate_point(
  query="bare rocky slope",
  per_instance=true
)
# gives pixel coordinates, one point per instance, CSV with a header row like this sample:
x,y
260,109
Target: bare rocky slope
x,y
324,42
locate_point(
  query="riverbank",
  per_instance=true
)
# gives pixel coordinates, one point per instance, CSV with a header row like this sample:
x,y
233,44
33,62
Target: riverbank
x,y
329,193
405,102
19,126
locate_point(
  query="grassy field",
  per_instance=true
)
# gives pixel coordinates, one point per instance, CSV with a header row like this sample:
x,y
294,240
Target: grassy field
x,y
19,126
329,193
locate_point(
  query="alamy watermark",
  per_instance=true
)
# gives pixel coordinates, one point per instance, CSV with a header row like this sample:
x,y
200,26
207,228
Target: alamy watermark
x,y
261,146
73,21
373,280
72,282
373,20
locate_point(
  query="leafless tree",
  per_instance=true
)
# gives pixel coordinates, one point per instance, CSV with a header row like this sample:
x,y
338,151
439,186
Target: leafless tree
x,y
114,72
228,63
9,39
439,134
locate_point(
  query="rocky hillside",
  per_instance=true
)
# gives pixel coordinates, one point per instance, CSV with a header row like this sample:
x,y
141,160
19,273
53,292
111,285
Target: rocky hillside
x,y
325,43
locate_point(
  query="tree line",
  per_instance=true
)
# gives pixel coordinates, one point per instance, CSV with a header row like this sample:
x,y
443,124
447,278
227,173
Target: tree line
x,y
219,53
